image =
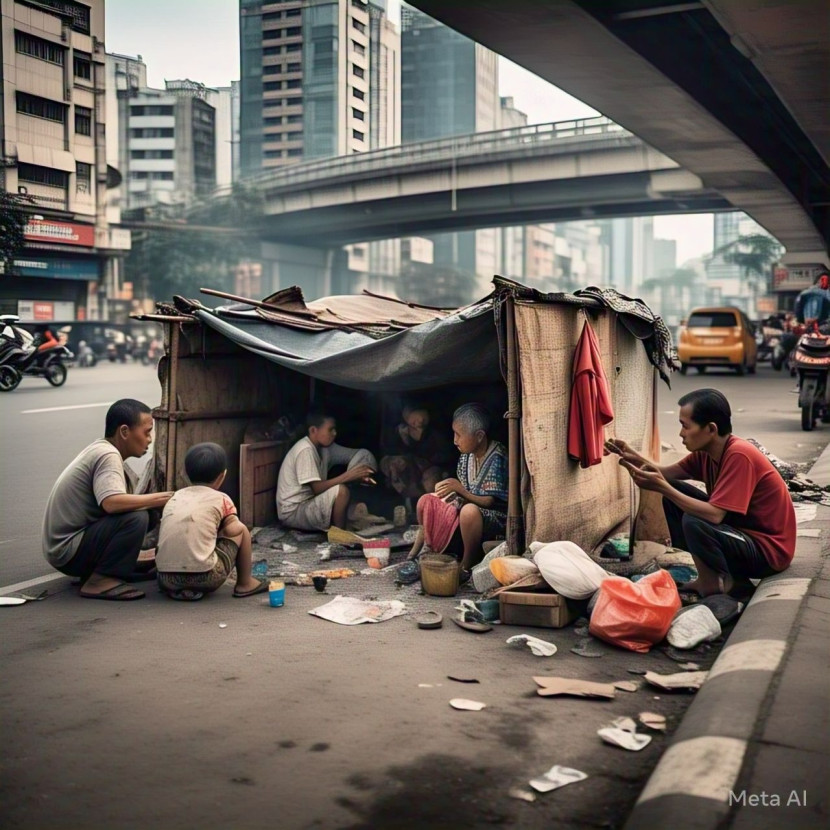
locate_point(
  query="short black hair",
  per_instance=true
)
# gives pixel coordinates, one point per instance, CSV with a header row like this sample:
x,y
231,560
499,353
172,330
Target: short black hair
x,y
317,417
204,463
709,407
124,412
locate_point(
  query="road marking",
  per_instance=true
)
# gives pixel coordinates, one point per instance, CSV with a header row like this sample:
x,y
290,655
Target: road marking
x,y
64,408
705,767
751,655
29,583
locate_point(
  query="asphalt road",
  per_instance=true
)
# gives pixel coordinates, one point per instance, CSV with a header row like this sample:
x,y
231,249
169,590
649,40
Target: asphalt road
x,y
228,713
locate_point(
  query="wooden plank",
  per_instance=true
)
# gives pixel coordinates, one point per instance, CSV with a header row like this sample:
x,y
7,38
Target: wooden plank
x,y
259,465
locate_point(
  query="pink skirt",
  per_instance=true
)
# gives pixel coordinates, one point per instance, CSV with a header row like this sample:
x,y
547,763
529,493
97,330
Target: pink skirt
x,y
440,521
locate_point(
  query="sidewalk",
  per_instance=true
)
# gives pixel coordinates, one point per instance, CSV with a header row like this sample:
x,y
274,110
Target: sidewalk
x,y
752,750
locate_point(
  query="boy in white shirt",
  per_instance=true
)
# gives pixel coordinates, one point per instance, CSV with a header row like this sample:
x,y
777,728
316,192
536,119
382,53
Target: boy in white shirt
x,y
306,498
201,538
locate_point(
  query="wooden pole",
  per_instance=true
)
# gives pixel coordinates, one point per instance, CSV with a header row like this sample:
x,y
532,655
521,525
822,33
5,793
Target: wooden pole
x,y
515,517
172,404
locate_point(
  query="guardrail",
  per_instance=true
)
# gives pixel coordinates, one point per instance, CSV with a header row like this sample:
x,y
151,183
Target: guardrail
x,y
444,149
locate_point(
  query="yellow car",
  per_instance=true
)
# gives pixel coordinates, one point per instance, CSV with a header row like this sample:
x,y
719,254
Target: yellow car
x,y
717,337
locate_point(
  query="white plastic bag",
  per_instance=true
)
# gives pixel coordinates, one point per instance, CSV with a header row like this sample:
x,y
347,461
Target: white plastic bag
x,y
569,570
692,626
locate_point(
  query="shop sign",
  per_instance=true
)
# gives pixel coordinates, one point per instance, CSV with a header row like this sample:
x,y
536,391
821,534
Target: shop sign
x,y
795,277
58,268
36,310
63,233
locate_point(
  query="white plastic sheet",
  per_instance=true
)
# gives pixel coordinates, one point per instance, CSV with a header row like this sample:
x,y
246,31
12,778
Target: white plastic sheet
x,y
353,611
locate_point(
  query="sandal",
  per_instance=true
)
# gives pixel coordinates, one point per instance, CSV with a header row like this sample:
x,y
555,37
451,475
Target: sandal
x,y
185,595
478,628
429,620
121,592
261,588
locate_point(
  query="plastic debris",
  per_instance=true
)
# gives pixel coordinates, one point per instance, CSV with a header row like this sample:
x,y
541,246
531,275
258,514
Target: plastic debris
x,y
626,686
623,738
12,601
353,611
284,547
693,626
624,723
690,666
467,705
462,679
260,568
324,552
551,686
583,649
540,648
557,777
521,795
651,720
223,625
686,680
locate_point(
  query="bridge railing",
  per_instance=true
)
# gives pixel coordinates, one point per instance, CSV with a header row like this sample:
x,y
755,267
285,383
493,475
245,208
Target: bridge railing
x,y
443,149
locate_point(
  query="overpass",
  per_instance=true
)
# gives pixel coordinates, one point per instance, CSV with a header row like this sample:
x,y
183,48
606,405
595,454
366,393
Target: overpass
x,y
585,169
735,91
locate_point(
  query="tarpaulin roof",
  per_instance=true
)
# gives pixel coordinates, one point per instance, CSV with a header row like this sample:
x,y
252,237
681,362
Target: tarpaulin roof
x,y
368,347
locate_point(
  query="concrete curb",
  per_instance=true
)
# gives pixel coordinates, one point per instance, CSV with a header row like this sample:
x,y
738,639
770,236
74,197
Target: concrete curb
x,y
690,786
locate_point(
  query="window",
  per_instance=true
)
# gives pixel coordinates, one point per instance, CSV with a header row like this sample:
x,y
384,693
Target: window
x,y
276,69
293,47
83,65
41,107
294,136
41,175
270,85
274,137
293,31
272,50
77,12
358,72
358,115
360,27
293,13
294,152
296,83
83,177
273,154
36,47
270,122
138,174
713,319
274,34
358,47
152,132
359,94
292,102
151,154
272,16
358,135
83,120
293,119
152,109
294,67
162,176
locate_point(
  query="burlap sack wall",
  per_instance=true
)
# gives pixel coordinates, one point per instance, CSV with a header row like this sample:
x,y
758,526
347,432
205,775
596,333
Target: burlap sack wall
x,y
561,500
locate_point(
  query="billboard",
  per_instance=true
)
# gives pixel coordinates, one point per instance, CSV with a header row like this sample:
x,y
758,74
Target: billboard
x,y
59,268
63,233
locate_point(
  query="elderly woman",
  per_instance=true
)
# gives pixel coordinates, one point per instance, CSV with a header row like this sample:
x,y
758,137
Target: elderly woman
x,y
477,497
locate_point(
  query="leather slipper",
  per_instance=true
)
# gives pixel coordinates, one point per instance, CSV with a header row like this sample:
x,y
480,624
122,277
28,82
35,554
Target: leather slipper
x,y
185,595
429,620
121,592
478,628
261,588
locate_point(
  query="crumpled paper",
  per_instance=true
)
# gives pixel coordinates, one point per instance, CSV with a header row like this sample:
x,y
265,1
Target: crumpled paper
x,y
556,777
540,648
353,611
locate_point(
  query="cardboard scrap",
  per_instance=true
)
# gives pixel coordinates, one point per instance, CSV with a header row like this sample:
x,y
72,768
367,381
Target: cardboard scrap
x,y
626,685
557,777
651,720
685,680
522,795
467,705
552,686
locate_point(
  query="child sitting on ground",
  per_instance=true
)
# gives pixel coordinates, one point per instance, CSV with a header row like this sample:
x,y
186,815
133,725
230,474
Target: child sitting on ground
x,y
201,538
306,498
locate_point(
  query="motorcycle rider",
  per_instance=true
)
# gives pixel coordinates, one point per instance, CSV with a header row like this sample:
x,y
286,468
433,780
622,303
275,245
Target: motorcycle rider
x,y
812,303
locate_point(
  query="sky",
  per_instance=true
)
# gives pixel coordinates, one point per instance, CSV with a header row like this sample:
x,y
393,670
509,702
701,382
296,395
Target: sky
x,y
198,39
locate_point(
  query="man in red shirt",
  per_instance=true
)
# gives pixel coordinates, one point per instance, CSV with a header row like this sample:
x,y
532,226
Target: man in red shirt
x,y
744,525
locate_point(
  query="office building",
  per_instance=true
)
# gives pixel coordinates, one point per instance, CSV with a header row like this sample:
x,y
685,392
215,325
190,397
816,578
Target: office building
x,y
52,121
225,101
724,278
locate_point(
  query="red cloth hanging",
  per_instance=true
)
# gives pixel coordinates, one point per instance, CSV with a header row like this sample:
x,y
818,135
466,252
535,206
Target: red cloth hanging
x,y
590,402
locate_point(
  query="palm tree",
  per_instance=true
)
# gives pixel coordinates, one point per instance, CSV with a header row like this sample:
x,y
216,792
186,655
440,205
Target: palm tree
x,y
753,253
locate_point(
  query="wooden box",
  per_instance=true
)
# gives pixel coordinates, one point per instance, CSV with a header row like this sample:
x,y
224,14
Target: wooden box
x,y
540,609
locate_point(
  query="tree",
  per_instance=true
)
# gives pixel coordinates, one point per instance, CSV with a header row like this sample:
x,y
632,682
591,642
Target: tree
x,y
13,221
754,254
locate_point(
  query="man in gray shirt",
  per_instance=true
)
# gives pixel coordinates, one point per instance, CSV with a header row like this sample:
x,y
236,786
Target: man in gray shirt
x,y
93,527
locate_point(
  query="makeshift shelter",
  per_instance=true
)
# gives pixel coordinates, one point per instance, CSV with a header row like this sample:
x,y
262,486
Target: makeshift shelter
x,y
250,362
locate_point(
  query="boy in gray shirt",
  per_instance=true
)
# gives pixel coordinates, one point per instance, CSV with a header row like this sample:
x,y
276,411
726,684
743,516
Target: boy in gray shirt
x,y
93,526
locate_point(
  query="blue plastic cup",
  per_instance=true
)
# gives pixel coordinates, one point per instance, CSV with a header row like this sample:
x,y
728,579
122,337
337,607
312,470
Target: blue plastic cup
x,y
276,595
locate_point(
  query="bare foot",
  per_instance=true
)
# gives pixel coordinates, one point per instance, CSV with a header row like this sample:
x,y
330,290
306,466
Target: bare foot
x,y
245,585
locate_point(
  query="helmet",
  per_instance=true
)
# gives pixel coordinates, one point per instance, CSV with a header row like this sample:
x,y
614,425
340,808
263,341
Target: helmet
x,y
824,281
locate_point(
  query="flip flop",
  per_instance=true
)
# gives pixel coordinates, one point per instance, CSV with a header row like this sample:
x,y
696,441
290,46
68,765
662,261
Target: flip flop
x,y
478,628
185,595
429,620
121,592
261,588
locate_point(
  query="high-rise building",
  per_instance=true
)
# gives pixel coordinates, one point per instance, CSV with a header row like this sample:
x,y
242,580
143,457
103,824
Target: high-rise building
x,y
449,86
52,117
665,257
225,101
307,88
630,246
166,144
726,278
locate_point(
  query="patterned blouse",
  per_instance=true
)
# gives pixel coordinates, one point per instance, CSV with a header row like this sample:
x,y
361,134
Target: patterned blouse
x,y
487,478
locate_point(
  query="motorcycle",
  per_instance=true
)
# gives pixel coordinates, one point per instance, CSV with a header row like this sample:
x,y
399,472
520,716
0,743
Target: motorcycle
x,y
19,356
811,360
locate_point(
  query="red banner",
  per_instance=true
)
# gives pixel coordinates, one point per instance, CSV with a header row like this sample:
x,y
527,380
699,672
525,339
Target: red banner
x,y
63,233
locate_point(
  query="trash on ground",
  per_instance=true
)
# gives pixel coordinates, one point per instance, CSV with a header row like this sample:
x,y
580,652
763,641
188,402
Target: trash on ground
x,y
429,685
290,565
260,568
353,611
467,705
477,627
521,795
37,598
284,547
12,601
223,625
583,649
693,626
626,685
540,648
557,777
469,611
333,573
510,569
408,573
623,738
551,686
691,680
458,679
652,720
429,620
377,552
320,583
410,535
624,723
569,570
324,552
689,666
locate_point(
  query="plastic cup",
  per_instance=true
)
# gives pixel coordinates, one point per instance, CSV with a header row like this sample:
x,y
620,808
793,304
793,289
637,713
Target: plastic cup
x,y
276,594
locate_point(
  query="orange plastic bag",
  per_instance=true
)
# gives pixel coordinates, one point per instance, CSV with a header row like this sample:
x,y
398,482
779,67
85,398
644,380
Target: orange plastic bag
x,y
635,615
